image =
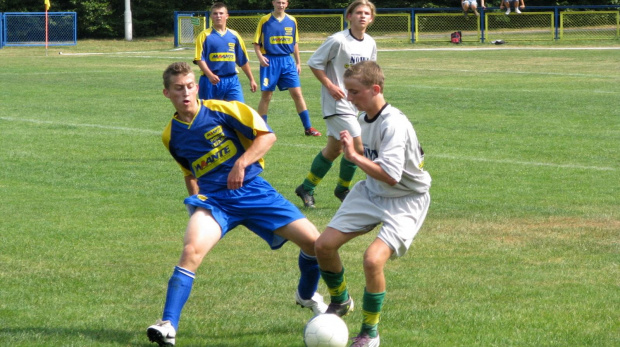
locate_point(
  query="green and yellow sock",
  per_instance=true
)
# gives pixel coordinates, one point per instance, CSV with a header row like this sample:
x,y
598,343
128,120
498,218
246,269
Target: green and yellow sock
x,y
347,171
373,302
318,170
336,285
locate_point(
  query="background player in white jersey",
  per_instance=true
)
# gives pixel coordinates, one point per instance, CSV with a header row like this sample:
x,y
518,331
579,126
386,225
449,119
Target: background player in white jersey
x,y
328,64
218,52
394,194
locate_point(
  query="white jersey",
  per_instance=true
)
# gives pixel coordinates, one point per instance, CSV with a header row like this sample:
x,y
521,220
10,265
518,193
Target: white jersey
x,y
334,56
390,141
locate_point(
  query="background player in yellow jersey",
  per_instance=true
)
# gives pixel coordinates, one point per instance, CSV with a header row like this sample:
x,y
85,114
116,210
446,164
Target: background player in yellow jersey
x,y
275,40
218,52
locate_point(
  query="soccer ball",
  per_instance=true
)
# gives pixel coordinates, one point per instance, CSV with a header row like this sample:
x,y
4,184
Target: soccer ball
x,y
326,330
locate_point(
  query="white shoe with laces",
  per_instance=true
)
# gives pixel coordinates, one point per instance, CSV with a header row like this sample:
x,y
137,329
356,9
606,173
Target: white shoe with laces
x,y
162,333
315,303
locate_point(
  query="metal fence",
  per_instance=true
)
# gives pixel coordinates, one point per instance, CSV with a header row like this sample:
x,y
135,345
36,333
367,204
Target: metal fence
x,y
535,23
29,29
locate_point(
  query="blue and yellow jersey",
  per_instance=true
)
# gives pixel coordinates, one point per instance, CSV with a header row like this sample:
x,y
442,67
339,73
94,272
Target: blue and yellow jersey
x,y
221,51
276,37
208,147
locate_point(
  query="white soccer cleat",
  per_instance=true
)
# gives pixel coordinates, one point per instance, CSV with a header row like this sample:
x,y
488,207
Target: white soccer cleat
x,y
315,303
162,333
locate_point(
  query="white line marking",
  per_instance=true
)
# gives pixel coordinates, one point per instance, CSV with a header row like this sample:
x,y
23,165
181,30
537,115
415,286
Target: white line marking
x,y
444,156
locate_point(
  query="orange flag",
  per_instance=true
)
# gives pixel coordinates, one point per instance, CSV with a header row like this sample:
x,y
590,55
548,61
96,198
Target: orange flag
x,y
47,5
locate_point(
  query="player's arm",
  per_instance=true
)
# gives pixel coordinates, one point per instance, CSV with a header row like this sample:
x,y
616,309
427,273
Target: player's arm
x,y
191,183
248,72
259,147
297,58
263,61
336,92
482,4
371,168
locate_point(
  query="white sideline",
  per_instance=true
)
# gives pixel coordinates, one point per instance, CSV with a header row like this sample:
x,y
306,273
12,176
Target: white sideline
x,y
444,156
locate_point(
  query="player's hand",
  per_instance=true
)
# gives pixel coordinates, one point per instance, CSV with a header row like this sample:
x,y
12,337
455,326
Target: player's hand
x,y
522,6
264,61
298,69
235,177
336,92
253,86
347,145
214,79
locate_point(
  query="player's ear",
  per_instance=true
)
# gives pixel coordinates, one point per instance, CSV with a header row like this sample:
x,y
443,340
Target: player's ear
x,y
166,93
376,89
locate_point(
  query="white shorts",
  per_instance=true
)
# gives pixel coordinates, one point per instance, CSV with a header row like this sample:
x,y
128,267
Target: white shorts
x,y
336,124
401,217
471,2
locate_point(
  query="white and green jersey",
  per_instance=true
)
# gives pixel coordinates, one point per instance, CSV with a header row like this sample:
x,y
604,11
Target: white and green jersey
x,y
334,56
390,141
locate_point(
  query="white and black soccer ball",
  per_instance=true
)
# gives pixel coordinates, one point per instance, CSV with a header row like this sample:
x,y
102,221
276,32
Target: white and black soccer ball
x,y
326,330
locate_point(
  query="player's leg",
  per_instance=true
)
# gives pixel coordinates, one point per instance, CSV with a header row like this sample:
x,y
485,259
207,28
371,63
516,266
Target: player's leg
x,y
302,111
474,8
263,104
202,234
347,171
303,233
332,269
465,5
321,165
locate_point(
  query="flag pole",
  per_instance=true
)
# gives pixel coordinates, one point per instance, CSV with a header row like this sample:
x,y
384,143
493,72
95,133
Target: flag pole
x,y
46,31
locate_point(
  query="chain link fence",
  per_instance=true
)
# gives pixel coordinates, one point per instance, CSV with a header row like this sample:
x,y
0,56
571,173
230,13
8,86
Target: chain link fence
x,y
427,25
589,25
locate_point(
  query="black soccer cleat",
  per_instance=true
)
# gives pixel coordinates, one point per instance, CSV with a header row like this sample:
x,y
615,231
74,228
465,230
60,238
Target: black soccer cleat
x,y
306,197
341,309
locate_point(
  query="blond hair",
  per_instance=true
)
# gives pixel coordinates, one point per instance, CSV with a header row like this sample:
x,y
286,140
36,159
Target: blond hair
x,y
367,72
175,69
355,4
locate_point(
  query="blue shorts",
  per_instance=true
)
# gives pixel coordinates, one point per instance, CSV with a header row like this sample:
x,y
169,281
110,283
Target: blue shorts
x,y
281,72
256,205
228,89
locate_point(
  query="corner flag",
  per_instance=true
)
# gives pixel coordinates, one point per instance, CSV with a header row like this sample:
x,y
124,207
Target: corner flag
x,y
47,5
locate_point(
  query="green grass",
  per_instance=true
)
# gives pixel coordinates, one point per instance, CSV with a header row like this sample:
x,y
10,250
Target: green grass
x,y
520,247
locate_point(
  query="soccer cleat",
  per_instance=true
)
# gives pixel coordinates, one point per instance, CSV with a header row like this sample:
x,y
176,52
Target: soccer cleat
x,y
312,132
363,340
315,303
341,309
162,333
341,194
306,197
517,10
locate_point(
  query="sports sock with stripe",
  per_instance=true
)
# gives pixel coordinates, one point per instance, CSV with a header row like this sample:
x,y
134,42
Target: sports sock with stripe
x,y
318,170
179,287
309,280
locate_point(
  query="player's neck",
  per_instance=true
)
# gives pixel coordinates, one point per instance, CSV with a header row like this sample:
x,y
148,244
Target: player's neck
x,y
220,29
376,107
358,33
278,14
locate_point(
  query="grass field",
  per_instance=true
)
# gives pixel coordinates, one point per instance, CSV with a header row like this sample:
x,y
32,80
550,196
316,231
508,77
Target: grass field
x,y
521,246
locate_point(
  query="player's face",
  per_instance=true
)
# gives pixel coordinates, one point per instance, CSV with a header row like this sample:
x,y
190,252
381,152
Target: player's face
x,y
360,18
182,93
280,5
219,17
360,95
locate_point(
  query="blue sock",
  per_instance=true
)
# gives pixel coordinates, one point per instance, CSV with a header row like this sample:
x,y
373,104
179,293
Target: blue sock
x,y
310,275
264,118
179,287
305,119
